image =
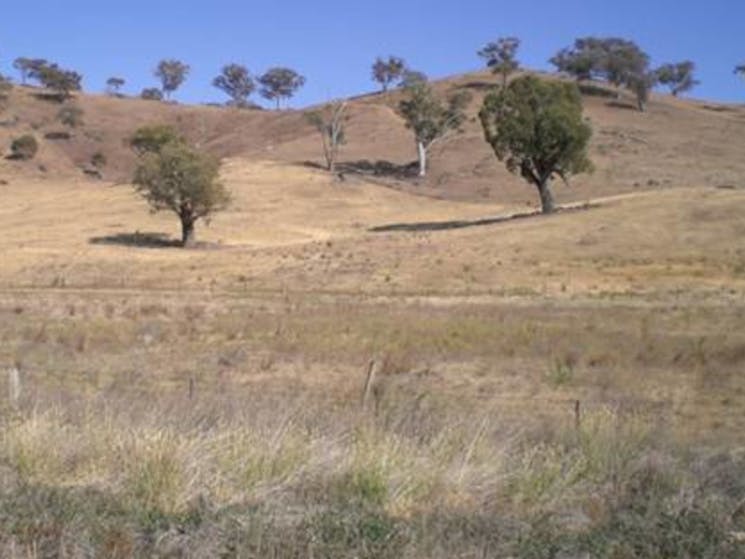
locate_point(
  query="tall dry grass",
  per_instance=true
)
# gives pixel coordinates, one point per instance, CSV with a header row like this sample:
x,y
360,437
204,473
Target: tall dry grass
x,y
246,475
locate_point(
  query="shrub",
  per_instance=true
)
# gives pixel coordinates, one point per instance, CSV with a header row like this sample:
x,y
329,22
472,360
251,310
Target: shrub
x,y
152,94
24,147
70,115
98,160
57,135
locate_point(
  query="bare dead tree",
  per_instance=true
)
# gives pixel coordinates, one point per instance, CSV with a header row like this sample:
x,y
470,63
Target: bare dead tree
x,y
330,121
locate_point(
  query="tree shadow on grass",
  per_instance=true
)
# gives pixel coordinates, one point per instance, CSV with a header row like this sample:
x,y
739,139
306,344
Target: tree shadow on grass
x,y
52,96
380,168
367,168
597,90
463,224
480,85
622,105
138,239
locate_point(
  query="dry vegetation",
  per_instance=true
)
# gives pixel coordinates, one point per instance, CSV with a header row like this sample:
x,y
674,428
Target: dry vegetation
x,y
209,402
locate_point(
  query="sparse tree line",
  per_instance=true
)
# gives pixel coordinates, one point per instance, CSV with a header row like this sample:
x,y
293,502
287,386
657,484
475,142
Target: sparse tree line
x,y
276,84
620,62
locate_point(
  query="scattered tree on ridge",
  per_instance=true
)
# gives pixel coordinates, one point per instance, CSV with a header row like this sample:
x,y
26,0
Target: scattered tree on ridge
x,y
536,128
51,76
619,61
114,84
678,77
330,122
501,56
280,83
171,73
387,72
582,62
182,180
236,81
430,119
26,65
623,61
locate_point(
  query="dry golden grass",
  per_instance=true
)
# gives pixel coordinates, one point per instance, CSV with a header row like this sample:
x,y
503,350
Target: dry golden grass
x,y
207,402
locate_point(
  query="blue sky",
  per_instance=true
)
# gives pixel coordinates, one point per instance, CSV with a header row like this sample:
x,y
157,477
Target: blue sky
x,y
333,43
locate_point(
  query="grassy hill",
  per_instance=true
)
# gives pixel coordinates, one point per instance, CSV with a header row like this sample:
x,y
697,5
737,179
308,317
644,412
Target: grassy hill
x,y
677,143
377,367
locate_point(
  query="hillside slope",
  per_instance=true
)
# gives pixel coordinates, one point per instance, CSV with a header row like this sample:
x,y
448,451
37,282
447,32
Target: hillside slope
x,y
677,143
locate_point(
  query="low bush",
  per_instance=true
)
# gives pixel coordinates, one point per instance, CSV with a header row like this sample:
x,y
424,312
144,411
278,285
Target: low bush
x,y
24,147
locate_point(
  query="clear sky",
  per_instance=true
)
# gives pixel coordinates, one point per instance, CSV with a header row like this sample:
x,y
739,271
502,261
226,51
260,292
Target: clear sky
x,y
333,43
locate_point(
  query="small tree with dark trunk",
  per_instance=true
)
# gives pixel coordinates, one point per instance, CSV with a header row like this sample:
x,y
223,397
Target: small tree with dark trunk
x,y
184,181
113,85
536,128
171,73
330,123
501,56
235,80
431,119
678,77
280,83
388,72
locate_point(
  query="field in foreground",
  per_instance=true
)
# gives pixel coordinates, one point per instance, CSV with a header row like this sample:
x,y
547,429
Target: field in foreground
x,y
568,386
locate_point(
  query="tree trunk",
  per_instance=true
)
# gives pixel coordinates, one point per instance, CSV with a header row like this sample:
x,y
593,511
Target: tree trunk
x,y
422,153
188,236
547,198
277,103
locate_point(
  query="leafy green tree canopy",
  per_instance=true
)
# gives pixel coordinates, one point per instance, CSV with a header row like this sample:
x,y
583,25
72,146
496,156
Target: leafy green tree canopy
x,y
179,179
62,82
679,77
501,56
388,72
236,81
114,84
172,74
536,128
431,119
611,58
280,83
